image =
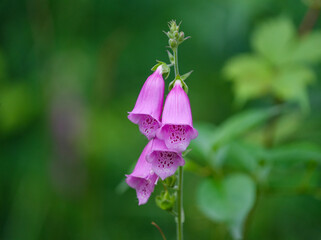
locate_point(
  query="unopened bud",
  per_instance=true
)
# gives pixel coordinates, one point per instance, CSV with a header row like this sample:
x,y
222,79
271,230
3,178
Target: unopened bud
x,y
176,34
165,201
173,27
172,43
181,36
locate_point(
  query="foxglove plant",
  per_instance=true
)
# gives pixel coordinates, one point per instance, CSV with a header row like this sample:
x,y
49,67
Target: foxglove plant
x,y
168,137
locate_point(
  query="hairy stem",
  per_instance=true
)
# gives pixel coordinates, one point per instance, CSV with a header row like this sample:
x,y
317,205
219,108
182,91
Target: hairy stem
x,y
175,62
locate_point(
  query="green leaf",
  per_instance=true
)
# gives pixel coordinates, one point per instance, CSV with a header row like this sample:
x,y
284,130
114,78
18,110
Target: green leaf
x,y
18,106
287,126
239,157
252,76
296,153
308,48
241,123
291,84
202,145
228,200
274,40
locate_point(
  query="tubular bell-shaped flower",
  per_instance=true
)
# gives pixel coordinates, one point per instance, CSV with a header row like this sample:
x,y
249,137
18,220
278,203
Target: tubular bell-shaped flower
x,y
149,104
164,161
177,129
143,178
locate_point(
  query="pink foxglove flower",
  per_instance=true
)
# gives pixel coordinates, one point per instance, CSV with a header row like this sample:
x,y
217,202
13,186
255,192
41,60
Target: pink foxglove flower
x,y
143,178
149,104
164,161
177,129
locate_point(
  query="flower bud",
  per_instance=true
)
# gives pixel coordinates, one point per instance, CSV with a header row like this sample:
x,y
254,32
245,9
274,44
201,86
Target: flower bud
x,y
172,43
176,34
165,201
181,36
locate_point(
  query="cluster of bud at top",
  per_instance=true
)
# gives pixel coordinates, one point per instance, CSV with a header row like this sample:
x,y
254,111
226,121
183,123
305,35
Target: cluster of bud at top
x,y
175,36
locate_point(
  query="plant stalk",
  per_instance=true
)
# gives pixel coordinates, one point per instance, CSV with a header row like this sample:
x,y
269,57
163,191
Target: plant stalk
x,y
180,211
175,62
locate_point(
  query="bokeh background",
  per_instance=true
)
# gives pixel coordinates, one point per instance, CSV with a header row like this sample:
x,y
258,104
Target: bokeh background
x,y
71,70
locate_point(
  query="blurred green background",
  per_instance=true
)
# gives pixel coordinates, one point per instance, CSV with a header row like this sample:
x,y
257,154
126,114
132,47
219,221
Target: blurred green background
x,y
71,70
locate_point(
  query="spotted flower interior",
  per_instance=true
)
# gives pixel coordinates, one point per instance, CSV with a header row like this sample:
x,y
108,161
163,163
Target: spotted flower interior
x,y
165,163
148,126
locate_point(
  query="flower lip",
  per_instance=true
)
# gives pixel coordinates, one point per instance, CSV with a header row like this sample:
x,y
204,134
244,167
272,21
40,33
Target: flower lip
x,y
143,178
177,136
163,160
146,123
144,186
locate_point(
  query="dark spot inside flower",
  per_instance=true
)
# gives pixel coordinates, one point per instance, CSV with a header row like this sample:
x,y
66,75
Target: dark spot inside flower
x,y
148,125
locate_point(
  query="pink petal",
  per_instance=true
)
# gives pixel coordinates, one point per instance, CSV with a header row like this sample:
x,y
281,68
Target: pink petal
x,y
164,161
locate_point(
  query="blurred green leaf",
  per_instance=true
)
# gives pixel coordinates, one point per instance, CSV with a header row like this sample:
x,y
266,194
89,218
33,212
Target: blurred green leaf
x,y
241,123
202,145
287,126
296,153
274,39
238,157
307,49
228,200
278,65
18,105
291,83
251,75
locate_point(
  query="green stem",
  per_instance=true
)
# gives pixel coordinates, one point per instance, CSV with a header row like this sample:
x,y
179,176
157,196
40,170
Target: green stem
x,y
180,211
175,62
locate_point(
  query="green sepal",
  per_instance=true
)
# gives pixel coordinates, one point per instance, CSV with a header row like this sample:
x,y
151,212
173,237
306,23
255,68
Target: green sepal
x,y
184,85
170,181
156,65
171,57
186,75
166,201
166,68
171,84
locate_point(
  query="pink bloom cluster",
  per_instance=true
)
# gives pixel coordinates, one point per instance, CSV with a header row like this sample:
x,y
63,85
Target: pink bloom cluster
x,y
168,136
